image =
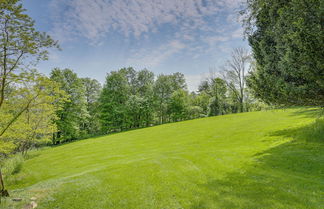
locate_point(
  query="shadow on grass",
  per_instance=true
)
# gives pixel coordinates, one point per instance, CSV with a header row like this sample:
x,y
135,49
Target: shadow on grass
x,y
290,175
311,112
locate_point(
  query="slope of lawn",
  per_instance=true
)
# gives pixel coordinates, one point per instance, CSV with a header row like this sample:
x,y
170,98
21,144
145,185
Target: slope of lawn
x,y
268,159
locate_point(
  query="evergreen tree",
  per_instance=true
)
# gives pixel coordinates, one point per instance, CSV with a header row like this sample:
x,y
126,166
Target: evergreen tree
x,y
287,39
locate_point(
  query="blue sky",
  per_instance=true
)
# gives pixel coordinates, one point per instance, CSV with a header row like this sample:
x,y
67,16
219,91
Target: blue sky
x,y
164,36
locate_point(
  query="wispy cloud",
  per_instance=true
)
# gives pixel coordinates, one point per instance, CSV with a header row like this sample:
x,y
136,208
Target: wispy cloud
x,y
229,35
94,19
194,80
150,58
192,29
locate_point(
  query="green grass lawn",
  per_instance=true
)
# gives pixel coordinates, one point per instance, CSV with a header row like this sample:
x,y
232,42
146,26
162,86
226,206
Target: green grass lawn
x,y
269,159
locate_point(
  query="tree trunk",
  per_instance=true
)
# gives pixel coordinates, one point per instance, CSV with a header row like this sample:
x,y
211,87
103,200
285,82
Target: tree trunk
x,y
3,191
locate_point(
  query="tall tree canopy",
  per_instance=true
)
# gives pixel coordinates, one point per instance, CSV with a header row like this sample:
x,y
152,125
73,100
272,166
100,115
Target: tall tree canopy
x,y
164,87
287,39
92,93
113,100
20,44
74,114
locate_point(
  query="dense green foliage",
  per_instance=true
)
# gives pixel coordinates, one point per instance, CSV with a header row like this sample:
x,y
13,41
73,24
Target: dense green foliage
x,y
79,115
74,114
265,159
20,45
92,93
28,113
287,39
131,99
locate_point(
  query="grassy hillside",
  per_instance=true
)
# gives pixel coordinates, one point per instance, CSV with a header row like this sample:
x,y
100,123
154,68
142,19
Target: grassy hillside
x,y
271,159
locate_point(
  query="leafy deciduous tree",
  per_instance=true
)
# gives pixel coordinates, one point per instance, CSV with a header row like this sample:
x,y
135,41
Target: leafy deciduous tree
x,y
74,115
92,94
20,46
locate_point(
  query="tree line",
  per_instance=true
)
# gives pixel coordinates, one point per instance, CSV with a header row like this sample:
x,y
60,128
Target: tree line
x,y
132,99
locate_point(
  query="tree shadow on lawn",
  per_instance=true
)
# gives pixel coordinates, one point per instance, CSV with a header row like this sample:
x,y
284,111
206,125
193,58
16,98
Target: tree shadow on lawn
x,y
310,112
290,175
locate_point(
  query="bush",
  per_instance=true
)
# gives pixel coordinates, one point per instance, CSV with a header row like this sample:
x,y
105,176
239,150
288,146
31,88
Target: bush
x,y
13,165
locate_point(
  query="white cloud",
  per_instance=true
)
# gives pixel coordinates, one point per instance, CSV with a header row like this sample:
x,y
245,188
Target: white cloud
x,y
199,26
152,58
212,40
238,33
226,35
94,19
194,80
